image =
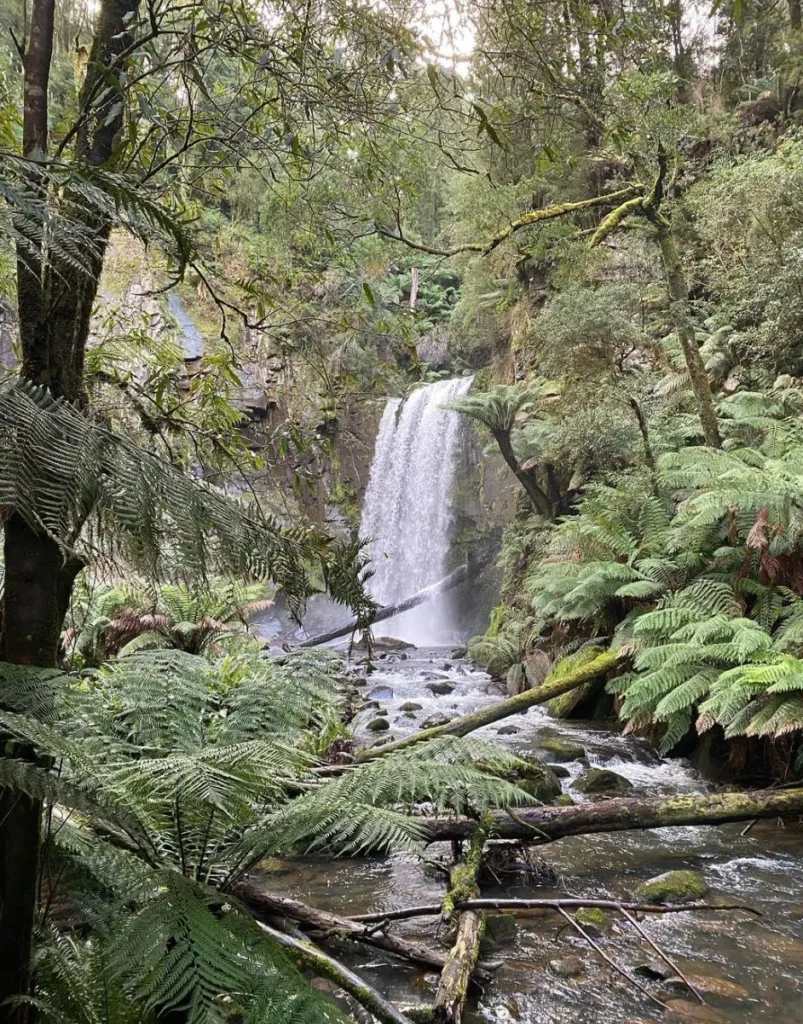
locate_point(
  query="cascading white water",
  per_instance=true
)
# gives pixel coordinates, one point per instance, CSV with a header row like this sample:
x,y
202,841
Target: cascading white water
x,y
407,513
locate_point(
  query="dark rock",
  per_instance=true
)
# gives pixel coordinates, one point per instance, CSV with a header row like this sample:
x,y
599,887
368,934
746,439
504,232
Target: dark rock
x,y
381,693
560,771
435,720
499,928
440,688
403,657
410,705
381,712
515,680
459,652
651,971
495,689
508,730
378,725
560,749
601,780
567,966
446,666
539,781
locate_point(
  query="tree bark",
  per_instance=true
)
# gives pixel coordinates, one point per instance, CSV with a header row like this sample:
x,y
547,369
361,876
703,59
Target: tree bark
x,y
465,724
526,478
310,958
31,626
546,824
450,998
264,905
449,582
679,295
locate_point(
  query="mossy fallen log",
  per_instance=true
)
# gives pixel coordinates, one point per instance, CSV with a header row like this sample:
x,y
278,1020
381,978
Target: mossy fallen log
x,y
309,958
462,958
267,905
546,824
552,687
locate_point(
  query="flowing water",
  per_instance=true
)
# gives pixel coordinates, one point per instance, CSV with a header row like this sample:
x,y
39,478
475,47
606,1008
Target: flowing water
x,y
407,513
752,968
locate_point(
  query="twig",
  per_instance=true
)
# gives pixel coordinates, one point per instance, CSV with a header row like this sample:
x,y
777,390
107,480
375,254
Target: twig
x,y
654,945
610,961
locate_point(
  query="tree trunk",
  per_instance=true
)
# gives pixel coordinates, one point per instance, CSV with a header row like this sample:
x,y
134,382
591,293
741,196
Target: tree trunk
x,y
449,582
679,296
546,824
526,478
465,724
31,625
450,998
795,20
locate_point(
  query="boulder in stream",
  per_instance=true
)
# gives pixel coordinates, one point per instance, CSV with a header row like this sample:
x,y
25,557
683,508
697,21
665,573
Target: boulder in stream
x,y
682,886
567,966
561,749
440,688
515,680
381,693
460,652
410,705
539,781
508,730
435,720
593,920
378,725
602,781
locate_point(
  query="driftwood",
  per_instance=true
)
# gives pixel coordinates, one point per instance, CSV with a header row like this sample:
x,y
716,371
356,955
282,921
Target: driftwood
x,y
450,998
268,905
312,959
567,902
449,582
545,824
462,726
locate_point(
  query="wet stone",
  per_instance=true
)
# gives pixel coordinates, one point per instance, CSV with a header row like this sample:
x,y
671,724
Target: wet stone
x,y
410,705
459,652
673,887
378,725
508,730
684,1009
567,966
602,780
440,688
435,720
593,920
381,693
560,771
560,749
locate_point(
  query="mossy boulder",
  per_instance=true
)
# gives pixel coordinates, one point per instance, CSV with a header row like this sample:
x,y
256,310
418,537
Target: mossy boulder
x,y
560,749
592,919
378,725
539,781
564,800
673,887
602,781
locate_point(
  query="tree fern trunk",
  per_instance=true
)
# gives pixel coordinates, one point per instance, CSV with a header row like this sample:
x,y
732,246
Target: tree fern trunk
x,y
32,617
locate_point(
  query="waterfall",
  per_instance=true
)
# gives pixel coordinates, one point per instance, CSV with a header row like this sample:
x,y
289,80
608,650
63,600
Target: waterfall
x,y
407,513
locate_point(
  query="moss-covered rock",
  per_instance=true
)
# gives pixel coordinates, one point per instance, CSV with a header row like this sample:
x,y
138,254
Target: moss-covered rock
x,y
602,781
673,887
592,919
378,725
564,800
539,781
560,749
515,680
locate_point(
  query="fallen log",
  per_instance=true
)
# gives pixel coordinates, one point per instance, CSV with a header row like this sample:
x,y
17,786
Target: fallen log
x,y
461,961
546,824
551,687
312,959
449,582
542,903
267,905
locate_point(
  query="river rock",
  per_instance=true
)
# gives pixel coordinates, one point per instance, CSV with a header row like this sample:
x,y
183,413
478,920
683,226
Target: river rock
x,y
440,689
560,749
381,693
378,725
560,771
687,1010
602,781
594,920
508,730
459,652
410,705
515,680
673,887
567,966
435,720
716,986
539,781
386,643
499,928
564,800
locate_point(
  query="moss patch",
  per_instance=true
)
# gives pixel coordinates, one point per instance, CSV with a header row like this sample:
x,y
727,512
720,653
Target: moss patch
x,y
673,887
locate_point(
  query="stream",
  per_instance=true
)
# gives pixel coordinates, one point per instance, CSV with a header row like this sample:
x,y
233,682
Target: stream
x,y
749,968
